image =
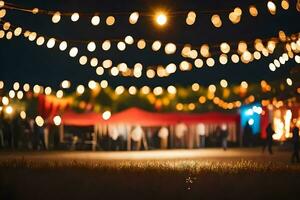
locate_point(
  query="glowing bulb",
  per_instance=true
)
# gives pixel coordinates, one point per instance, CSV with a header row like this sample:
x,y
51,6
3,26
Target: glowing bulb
x,y
121,46
161,19
73,52
5,101
80,89
9,110
57,120
56,17
39,121
48,90
106,115
83,60
75,17
23,115
59,94
66,84
40,41
63,46
95,20
51,43
133,18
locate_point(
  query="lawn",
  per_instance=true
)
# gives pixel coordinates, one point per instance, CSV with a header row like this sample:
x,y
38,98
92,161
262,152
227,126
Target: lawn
x,y
55,176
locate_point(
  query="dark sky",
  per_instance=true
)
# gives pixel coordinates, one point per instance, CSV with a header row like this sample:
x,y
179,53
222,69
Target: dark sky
x,y
24,61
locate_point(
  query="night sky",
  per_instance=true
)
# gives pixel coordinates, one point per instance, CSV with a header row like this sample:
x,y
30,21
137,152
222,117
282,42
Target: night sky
x,y
24,61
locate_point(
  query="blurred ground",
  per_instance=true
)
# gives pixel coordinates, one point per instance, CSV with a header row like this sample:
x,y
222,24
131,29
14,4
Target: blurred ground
x,y
173,174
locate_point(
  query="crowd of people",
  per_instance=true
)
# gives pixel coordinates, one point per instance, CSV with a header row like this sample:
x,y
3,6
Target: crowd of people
x,y
25,134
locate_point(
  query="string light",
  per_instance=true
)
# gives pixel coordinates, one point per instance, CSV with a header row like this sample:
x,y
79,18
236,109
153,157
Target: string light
x,y
56,17
73,52
133,18
161,18
57,120
95,20
272,7
75,17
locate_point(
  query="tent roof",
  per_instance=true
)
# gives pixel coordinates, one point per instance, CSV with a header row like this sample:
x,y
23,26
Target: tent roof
x,y
145,118
71,118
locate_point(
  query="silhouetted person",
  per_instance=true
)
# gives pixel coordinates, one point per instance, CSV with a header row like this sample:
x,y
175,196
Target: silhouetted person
x,y
224,135
295,155
269,140
247,137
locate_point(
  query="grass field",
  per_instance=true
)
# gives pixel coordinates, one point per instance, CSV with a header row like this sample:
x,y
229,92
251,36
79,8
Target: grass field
x,y
181,174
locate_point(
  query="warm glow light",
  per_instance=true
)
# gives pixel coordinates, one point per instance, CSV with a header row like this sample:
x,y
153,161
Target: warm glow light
x,y
212,88
198,63
133,18
59,94
253,11
170,48
48,90
5,101
94,62
223,83
195,87
39,121
204,50
108,63
75,17
16,86
119,90
57,120
23,115
91,46
26,87
224,47
1,85
121,46
32,36
132,90
145,90
272,7
92,84
51,43
129,39
63,46
95,20
40,41
110,20
106,115
56,17
244,84
216,21
11,94
2,13
106,45
158,91
83,60
18,31
185,65
20,95
285,4
150,73
9,110
161,19
223,59
210,62
191,18
289,81
235,58
36,89
141,44
80,89
156,45
73,52
104,84
171,89
100,71
66,84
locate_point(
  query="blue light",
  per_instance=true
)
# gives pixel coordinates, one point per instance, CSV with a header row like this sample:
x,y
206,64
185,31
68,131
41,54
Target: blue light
x,y
251,114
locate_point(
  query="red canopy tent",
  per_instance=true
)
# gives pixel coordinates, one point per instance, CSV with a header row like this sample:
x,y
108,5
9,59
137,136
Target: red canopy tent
x,y
70,118
145,118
